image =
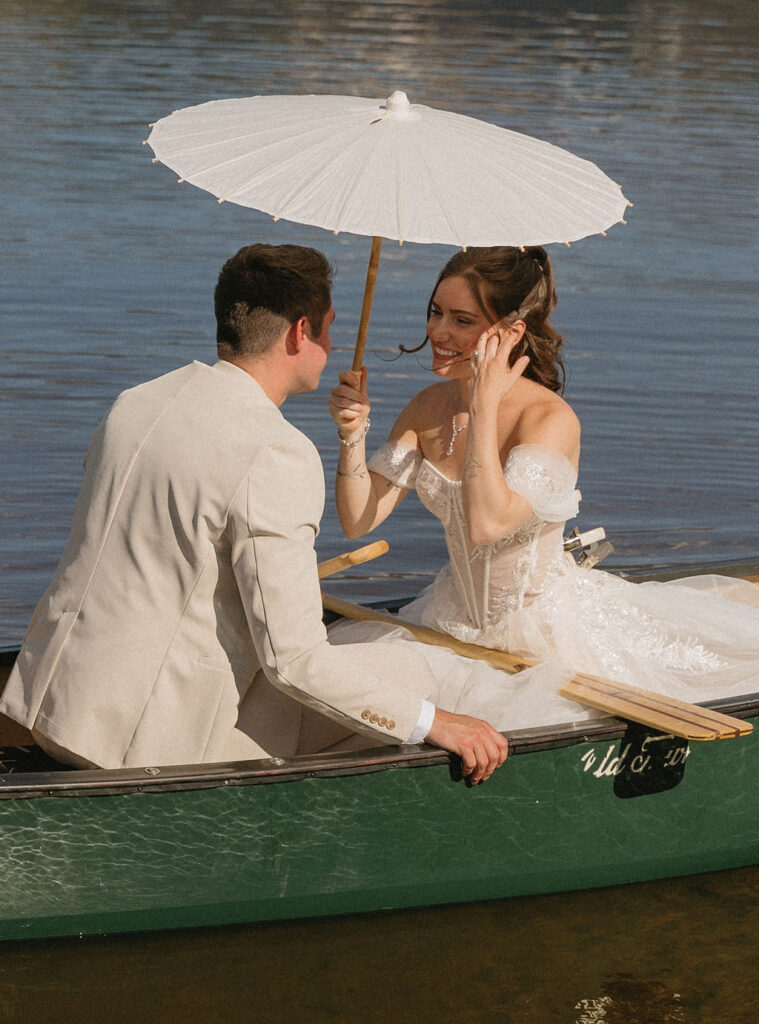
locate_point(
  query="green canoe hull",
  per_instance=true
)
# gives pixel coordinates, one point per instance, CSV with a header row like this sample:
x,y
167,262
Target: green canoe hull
x,y
100,852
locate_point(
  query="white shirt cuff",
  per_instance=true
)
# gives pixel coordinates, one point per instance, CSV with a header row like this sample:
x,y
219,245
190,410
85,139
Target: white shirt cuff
x,y
423,723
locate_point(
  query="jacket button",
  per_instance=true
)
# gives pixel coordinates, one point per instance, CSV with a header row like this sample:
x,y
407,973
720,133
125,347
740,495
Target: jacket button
x,y
365,713
374,718
391,725
382,721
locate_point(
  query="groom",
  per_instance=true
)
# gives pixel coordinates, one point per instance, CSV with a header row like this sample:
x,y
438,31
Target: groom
x,y
184,621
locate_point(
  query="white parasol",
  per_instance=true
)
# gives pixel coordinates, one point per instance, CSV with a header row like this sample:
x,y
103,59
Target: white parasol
x,y
388,169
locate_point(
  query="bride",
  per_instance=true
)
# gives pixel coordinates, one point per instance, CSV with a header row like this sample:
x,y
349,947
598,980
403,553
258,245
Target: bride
x,y
492,450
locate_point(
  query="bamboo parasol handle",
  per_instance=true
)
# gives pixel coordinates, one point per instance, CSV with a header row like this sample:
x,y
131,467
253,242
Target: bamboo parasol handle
x,y
366,309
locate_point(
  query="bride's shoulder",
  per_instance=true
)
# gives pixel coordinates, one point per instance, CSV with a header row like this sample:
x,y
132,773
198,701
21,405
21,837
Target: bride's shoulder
x,y
548,419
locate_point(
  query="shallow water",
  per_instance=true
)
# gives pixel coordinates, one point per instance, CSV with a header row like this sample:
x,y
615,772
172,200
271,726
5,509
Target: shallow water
x,y
678,952
108,271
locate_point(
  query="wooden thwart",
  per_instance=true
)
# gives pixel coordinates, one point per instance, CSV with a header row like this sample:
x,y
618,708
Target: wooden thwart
x,y
666,714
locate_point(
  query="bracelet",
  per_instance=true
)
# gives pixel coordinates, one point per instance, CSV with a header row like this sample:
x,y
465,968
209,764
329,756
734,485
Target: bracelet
x,y
361,436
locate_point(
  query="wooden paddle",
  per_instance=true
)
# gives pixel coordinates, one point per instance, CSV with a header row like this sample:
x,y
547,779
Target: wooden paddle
x,y
690,721
340,562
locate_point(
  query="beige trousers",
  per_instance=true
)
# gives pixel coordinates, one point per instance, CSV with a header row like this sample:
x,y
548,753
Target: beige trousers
x,y
272,724
269,724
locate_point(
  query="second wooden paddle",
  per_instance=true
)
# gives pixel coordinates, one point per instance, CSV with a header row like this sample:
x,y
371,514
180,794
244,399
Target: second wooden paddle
x,y
332,565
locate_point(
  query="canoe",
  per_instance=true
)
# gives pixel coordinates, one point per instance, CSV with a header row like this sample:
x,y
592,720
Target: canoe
x,y
576,806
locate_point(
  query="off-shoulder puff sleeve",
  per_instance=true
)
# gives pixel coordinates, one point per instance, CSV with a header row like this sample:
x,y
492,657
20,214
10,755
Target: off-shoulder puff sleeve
x,y
397,462
546,479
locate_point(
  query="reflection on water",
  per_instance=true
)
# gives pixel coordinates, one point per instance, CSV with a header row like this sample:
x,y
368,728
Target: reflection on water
x,y
109,265
108,270
679,952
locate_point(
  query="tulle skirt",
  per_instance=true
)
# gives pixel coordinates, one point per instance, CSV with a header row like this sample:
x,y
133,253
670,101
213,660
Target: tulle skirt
x,y
695,638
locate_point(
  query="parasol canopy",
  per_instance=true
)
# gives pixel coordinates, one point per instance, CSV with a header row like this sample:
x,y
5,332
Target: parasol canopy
x,y
388,169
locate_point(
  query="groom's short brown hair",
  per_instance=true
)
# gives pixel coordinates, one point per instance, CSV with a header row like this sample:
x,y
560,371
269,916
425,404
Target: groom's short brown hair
x,y
263,289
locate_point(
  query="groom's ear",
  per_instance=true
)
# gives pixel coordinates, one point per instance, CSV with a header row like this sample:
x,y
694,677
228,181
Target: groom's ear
x,y
297,334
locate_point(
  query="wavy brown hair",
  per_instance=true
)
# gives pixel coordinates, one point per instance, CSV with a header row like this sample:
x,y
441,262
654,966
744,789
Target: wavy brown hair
x,y
511,284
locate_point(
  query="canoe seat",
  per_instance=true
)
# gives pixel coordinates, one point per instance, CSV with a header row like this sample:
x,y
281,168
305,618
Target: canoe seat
x,y
29,758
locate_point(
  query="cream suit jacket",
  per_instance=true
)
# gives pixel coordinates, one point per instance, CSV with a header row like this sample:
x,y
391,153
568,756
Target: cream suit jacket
x,y
191,565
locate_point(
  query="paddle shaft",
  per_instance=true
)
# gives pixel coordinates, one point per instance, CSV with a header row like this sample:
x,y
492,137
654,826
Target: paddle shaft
x,y
666,714
500,659
366,309
340,562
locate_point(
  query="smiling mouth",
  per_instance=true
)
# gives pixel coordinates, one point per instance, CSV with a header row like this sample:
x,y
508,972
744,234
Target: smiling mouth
x,y
444,353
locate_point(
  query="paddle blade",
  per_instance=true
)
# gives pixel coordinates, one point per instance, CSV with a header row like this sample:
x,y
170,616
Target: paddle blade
x,y
656,710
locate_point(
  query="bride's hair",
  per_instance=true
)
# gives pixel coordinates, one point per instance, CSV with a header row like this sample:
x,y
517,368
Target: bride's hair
x,y
511,284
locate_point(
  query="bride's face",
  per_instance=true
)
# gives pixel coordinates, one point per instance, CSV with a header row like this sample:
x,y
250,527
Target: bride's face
x,y
456,322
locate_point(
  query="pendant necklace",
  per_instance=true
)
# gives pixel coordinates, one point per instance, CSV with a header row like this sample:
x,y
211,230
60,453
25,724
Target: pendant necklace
x,y
455,431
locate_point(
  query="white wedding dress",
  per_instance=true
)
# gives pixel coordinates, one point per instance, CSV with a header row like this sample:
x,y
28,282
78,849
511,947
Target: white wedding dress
x,y
694,638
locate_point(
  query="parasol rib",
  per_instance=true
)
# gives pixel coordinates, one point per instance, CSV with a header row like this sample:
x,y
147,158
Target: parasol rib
x,y
399,190
308,183
356,183
446,213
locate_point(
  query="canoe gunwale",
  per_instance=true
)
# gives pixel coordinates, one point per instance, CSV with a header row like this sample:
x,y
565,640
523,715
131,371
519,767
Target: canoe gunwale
x,y
267,771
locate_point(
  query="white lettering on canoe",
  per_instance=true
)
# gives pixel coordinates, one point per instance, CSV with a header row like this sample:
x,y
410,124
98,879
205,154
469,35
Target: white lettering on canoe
x,y
612,764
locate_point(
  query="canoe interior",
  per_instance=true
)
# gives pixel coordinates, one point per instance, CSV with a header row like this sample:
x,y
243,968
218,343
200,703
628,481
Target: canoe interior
x,y
596,803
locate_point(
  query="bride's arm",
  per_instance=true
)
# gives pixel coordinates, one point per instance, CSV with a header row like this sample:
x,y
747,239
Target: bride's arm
x,y
491,508
364,499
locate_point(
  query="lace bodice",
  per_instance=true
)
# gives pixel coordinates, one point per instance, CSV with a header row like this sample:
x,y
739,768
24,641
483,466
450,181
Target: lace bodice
x,y
483,583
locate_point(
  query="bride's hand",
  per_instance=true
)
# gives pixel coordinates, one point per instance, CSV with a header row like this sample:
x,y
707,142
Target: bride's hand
x,y
492,377
349,403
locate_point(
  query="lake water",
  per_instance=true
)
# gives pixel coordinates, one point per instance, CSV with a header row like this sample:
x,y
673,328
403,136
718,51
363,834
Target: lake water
x,y
108,272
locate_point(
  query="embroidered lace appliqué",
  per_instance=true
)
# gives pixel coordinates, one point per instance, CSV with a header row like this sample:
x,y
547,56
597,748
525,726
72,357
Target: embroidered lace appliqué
x,y
397,463
511,598
436,493
546,479
635,632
